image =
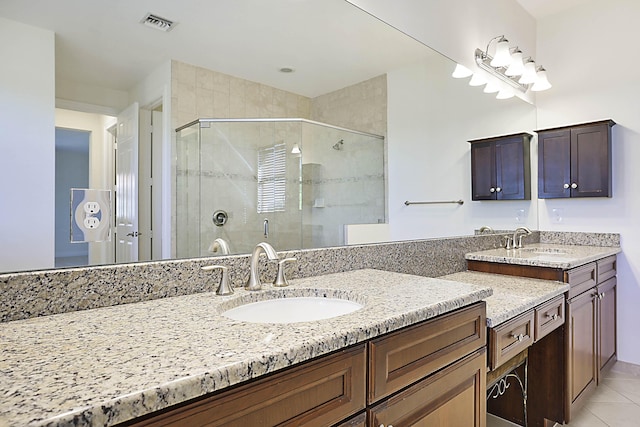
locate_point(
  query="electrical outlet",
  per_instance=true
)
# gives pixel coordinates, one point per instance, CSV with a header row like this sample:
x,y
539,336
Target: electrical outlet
x,y
92,208
91,222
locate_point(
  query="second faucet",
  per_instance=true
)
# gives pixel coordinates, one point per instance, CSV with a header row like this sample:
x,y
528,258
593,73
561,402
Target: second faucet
x,y
253,284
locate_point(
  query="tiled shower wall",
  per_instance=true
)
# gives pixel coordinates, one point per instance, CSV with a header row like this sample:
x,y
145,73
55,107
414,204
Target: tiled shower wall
x,y
362,106
202,93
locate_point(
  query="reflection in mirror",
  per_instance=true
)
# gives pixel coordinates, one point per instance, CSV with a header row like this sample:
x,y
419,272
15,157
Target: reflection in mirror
x,y
293,183
381,82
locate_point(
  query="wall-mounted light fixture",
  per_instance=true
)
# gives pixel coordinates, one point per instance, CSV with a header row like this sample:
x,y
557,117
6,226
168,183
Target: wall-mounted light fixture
x,y
509,66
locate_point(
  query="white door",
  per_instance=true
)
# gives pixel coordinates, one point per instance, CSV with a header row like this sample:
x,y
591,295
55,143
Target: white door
x,y
127,186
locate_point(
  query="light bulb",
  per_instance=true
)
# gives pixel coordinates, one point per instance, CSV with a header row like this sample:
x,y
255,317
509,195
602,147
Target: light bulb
x,y
491,87
517,66
542,82
461,72
502,57
529,74
477,80
505,94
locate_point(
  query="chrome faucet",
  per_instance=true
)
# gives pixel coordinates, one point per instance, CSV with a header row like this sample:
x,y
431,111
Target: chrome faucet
x,y
220,245
253,284
518,243
486,228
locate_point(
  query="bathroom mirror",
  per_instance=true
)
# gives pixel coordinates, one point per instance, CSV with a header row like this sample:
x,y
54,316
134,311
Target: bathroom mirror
x,y
340,30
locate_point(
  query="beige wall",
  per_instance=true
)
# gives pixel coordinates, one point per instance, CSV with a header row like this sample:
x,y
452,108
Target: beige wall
x,y
362,106
201,93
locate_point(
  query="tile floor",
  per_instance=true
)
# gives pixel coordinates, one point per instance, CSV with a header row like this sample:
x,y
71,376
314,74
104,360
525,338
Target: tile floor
x,y
615,403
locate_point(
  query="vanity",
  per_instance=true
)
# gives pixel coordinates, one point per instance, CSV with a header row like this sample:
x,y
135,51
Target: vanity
x,y
415,338
568,340
416,342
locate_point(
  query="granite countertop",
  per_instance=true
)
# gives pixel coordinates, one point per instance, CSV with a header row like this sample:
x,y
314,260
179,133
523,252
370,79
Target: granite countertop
x,y
511,295
108,365
545,255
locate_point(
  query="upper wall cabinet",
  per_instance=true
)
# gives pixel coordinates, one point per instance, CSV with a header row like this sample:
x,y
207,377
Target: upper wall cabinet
x,y
575,161
501,168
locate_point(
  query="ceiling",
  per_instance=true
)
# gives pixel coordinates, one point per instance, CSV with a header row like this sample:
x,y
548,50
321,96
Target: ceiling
x,y
330,43
541,8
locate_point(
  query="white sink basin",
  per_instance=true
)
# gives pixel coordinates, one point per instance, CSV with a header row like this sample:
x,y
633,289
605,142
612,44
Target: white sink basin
x,y
292,310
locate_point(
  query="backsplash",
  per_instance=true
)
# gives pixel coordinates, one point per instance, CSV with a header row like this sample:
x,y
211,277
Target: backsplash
x,y
577,238
43,293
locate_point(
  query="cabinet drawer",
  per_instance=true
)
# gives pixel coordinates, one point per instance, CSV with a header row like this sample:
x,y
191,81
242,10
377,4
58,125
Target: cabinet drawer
x,y
454,396
607,268
549,316
580,279
404,357
510,338
317,393
357,421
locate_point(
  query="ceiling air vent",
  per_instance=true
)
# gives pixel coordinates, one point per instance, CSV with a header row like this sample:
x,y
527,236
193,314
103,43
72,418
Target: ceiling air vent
x,y
154,21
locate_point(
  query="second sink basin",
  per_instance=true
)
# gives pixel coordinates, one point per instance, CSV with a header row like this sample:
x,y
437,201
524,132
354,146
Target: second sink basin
x,y
292,309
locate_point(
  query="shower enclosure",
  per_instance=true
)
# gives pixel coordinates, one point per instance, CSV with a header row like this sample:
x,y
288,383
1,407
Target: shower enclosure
x,y
294,183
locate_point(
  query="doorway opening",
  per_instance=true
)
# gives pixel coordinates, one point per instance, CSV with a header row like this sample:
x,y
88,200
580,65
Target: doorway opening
x,y
71,171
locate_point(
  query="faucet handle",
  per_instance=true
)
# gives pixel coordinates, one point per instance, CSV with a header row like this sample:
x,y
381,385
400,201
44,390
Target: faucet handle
x,y
223,288
281,279
507,242
522,236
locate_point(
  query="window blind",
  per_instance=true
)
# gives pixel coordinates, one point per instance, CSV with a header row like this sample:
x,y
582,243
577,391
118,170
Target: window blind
x,y
272,178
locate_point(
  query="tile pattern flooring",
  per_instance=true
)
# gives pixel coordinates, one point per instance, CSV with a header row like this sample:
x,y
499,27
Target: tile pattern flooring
x,y
615,403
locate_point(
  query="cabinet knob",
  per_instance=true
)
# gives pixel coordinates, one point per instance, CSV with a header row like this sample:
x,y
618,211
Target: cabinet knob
x,y
492,190
574,185
566,186
519,337
498,189
553,316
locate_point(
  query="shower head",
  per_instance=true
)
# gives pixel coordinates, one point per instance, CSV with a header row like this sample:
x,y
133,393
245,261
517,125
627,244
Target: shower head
x,y
338,145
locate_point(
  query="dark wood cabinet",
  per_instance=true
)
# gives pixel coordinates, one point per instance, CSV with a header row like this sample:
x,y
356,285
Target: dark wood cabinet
x,y
455,396
575,161
579,351
591,334
433,371
501,168
319,393
581,342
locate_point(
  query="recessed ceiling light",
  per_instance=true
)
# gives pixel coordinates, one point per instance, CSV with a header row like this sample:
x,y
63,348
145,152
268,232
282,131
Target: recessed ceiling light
x,y
157,22
287,70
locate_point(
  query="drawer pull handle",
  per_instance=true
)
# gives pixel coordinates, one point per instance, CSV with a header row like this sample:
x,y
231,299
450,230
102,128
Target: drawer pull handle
x,y
519,337
553,316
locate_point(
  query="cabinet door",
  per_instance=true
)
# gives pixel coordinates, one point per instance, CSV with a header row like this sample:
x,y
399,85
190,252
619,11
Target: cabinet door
x,y
317,393
512,166
581,349
483,171
455,396
606,322
590,161
554,171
